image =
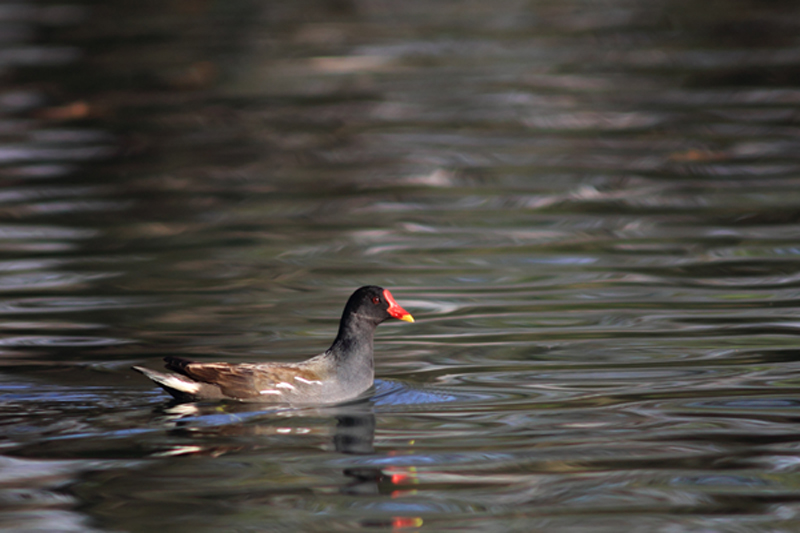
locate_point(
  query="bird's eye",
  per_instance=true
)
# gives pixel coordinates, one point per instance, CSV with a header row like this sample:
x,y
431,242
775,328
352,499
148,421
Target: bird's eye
x,y
376,300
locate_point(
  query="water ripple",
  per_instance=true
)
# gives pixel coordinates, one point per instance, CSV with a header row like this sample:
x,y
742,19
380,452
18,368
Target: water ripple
x,y
70,304
49,280
58,341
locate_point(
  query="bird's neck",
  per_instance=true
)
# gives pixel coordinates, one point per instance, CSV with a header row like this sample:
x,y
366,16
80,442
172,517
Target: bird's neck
x,y
351,352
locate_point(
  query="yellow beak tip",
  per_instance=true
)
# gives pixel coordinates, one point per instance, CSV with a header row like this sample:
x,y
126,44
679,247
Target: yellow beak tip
x,y
407,318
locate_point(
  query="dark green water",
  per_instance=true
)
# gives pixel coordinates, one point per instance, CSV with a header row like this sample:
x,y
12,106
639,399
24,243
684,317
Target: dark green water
x,y
591,208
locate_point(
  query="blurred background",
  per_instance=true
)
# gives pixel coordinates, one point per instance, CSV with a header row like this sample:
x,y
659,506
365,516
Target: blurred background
x,y
592,209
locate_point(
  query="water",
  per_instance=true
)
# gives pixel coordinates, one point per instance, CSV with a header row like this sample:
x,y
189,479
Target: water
x,y
591,209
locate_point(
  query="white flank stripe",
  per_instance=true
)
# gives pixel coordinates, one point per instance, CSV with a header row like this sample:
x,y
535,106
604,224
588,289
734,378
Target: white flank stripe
x,y
310,382
284,385
269,391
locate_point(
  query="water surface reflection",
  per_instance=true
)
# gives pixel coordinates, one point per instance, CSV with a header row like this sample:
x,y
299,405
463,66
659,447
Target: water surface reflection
x,y
592,210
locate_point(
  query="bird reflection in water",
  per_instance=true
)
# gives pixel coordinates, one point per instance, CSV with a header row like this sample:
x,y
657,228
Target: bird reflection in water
x,y
353,434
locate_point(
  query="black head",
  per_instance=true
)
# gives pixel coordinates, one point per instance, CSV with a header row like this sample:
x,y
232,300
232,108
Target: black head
x,y
376,304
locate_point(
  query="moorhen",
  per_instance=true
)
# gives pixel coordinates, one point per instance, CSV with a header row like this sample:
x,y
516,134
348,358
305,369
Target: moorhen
x,y
341,373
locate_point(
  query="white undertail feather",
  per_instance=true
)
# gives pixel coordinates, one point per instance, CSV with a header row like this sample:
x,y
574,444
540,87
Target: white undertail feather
x,y
177,383
172,381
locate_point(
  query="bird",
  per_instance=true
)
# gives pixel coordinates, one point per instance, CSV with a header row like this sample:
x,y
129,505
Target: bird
x,y
340,373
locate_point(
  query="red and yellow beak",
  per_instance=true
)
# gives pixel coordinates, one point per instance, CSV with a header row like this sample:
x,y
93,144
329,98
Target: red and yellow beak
x,y
394,308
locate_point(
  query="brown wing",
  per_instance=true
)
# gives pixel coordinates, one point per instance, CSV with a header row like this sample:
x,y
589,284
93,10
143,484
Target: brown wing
x,y
272,382
235,381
